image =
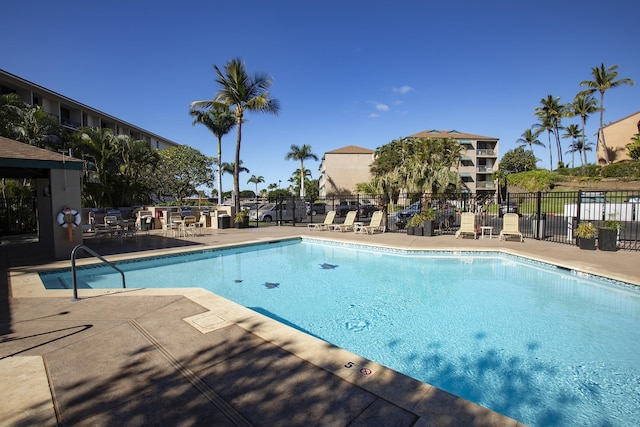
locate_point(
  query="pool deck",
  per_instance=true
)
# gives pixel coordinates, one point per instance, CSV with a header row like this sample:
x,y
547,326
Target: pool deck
x,y
189,357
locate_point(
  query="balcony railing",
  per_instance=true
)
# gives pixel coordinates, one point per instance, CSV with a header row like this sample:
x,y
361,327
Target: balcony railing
x,y
487,185
486,152
71,124
485,169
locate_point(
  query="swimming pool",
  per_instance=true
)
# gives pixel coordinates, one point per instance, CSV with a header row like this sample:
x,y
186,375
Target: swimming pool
x,y
543,345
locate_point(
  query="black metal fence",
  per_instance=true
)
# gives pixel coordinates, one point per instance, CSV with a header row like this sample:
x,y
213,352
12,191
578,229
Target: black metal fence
x,y
18,216
549,216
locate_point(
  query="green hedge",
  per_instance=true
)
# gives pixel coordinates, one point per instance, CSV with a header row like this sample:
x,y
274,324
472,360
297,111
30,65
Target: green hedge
x,y
622,170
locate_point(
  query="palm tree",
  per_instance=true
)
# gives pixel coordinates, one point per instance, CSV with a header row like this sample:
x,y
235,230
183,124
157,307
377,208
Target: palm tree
x,y
581,146
583,105
545,124
603,80
573,132
230,168
301,153
241,93
100,145
530,138
257,180
219,120
550,114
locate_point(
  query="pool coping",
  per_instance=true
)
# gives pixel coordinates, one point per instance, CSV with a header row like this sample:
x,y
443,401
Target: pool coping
x,y
390,385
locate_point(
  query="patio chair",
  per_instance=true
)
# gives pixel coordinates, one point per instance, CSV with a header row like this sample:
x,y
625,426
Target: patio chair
x,y
467,225
347,225
374,225
201,225
169,228
510,226
328,221
190,225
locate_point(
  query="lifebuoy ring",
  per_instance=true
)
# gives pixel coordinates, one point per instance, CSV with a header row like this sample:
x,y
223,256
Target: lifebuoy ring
x,y
68,216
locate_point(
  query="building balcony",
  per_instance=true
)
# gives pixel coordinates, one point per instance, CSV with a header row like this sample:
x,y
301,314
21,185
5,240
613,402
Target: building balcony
x,y
71,124
485,169
485,185
486,152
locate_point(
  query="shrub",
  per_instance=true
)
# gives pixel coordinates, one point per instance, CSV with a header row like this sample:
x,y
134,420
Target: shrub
x,y
622,170
585,231
533,181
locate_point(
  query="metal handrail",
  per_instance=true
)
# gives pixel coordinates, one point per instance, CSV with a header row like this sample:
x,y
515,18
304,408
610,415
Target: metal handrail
x,y
95,254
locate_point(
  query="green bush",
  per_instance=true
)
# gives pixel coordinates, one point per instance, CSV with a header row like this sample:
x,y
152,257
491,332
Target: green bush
x,y
591,171
533,181
622,170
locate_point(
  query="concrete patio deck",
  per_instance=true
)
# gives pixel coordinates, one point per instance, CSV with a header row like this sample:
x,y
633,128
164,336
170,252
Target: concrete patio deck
x,y
189,357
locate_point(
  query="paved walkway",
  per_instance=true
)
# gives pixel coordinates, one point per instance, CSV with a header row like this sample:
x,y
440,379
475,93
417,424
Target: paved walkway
x,y
188,357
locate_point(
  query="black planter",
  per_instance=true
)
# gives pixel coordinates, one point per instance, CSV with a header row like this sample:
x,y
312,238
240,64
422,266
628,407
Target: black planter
x,y
607,239
244,223
587,244
428,229
419,231
411,231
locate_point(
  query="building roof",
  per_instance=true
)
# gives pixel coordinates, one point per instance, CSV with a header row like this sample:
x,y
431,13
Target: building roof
x,y
27,85
20,160
434,133
351,149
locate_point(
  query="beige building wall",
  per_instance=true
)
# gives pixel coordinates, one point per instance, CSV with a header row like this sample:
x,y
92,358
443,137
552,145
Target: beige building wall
x,y
617,136
342,169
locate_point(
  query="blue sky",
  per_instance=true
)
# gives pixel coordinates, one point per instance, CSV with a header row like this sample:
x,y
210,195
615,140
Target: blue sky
x,y
345,72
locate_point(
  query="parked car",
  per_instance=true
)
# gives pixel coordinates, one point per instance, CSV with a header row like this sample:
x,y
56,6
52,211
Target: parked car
x,y
114,212
346,206
274,211
365,211
593,197
511,207
186,211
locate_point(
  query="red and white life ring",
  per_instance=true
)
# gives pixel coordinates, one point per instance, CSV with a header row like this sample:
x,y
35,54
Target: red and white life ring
x,y
68,216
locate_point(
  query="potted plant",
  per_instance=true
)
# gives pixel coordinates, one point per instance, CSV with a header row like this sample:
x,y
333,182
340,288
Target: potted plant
x,y
422,223
428,217
608,235
414,226
586,236
242,219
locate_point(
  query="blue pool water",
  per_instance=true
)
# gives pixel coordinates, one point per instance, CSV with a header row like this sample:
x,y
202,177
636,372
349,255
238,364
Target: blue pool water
x,y
543,345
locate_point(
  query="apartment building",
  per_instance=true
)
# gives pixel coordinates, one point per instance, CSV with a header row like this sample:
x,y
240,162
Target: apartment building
x,y
617,136
342,169
477,164
73,114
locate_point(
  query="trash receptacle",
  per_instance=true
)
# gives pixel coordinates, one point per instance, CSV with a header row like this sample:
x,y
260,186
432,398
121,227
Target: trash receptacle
x,y
146,223
539,225
224,221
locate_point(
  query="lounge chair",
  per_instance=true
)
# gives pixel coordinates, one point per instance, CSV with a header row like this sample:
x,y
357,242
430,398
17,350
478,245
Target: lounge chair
x,y
328,222
510,226
348,222
374,225
467,225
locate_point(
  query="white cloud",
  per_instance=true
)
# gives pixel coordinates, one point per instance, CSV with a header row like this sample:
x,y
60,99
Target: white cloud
x,y
382,107
402,90
374,115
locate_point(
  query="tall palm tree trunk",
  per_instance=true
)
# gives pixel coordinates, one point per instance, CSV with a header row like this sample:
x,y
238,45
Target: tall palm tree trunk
x,y
601,130
302,194
219,170
236,167
550,151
